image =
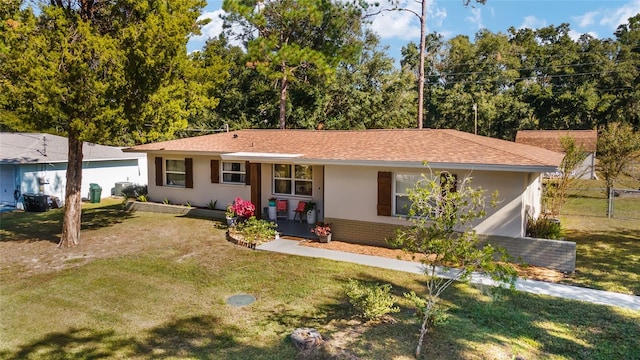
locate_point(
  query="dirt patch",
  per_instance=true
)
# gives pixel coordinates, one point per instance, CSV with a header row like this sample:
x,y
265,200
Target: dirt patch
x,y
32,256
524,272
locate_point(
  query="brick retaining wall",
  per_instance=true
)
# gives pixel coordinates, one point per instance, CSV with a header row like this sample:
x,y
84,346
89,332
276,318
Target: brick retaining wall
x,y
175,209
361,232
554,254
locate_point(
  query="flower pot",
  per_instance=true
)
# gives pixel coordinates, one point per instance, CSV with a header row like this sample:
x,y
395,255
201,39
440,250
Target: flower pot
x,y
311,216
324,238
231,221
272,212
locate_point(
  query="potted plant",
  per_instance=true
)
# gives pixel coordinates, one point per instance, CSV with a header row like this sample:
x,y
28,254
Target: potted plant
x,y
240,210
310,210
244,209
272,208
323,231
231,216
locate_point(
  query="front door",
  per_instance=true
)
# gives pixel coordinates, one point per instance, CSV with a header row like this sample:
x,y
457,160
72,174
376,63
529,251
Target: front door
x,y
255,181
7,185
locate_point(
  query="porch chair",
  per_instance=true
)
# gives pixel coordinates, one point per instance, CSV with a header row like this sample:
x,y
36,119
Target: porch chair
x,y
299,211
282,209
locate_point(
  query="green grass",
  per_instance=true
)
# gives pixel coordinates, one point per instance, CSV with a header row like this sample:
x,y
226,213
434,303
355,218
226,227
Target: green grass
x,y
161,294
607,249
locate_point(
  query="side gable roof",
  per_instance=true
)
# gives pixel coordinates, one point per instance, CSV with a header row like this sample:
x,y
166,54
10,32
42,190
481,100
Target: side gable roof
x,y
397,147
550,139
37,148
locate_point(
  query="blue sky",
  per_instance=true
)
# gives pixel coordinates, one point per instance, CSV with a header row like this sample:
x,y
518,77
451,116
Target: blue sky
x,y
599,18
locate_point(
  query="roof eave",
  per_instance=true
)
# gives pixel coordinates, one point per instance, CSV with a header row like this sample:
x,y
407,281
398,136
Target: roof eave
x,y
393,164
437,165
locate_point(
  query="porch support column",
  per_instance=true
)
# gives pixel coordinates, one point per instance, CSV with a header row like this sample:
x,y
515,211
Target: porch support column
x,y
255,176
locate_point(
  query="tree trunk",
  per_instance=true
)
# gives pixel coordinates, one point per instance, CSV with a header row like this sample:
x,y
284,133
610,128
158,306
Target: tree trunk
x,y
425,327
72,198
283,97
423,40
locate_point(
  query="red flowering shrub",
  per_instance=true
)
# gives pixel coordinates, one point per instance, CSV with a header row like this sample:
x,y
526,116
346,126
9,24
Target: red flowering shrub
x,y
243,208
322,229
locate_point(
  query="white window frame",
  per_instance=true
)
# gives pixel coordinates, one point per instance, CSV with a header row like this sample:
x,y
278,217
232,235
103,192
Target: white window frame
x,y
167,172
292,179
241,172
398,193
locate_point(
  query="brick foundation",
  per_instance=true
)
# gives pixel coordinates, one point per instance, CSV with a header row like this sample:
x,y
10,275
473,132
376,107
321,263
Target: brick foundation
x,y
175,209
553,254
361,232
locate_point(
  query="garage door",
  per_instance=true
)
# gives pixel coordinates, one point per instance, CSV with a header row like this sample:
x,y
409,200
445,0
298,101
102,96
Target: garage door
x,y
7,184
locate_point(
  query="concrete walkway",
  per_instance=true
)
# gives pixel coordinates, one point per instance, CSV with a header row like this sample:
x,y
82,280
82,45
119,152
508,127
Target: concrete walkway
x,y
531,286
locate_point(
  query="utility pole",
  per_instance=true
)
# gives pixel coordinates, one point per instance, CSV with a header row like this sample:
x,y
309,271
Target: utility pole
x,y
475,118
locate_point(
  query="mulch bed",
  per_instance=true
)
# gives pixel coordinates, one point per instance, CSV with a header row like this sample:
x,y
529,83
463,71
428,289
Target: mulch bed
x,y
524,272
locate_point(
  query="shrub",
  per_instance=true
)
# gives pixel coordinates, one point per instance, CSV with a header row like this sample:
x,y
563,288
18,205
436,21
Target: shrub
x,y
543,228
254,230
134,191
372,300
242,208
437,315
212,204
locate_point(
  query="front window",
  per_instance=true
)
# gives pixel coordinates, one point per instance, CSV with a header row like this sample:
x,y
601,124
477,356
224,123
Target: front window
x,y
233,172
175,173
293,179
403,182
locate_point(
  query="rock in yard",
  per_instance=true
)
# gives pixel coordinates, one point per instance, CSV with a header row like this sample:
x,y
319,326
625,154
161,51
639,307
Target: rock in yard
x,y
306,339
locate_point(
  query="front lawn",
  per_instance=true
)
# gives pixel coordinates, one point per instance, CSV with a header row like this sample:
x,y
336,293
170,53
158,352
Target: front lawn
x,y
607,249
152,285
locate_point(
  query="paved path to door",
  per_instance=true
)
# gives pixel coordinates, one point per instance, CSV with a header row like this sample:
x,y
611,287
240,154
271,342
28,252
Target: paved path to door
x,y
292,247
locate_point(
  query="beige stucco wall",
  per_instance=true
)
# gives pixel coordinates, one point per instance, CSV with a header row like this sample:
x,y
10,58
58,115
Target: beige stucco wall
x,y
203,190
351,194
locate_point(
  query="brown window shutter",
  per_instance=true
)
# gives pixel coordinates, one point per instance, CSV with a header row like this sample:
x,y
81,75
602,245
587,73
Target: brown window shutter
x,y
247,173
215,171
159,177
188,181
384,193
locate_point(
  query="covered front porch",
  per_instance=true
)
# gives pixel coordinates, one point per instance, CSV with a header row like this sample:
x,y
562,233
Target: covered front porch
x,y
295,228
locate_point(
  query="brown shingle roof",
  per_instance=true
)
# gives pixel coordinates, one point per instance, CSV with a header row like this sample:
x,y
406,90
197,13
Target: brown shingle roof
x,y
398,145
550,139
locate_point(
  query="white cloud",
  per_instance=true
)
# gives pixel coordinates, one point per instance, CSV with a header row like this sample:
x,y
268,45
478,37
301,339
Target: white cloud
x,y
616,17
575,35
213,28
396,24
476,17
586,19
532,22
405,25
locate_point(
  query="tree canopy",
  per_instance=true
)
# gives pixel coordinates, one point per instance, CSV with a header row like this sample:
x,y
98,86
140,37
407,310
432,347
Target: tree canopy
x,y
110,72
520,79
290,41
